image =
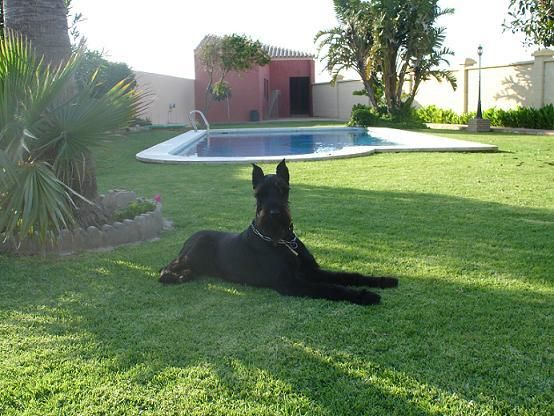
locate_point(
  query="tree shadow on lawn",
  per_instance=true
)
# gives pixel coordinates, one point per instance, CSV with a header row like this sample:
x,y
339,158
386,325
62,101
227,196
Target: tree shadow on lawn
x,y
416,354
466,331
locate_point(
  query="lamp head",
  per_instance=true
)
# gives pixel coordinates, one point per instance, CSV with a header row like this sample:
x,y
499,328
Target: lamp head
x,y
480,50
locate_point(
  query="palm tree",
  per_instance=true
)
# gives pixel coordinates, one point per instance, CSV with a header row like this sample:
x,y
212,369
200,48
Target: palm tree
x,y
44,24
348,45
384,41
426,64
46,132
408,40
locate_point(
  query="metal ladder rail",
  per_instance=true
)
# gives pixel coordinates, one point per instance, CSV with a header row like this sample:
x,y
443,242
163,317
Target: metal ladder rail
x,y
192,120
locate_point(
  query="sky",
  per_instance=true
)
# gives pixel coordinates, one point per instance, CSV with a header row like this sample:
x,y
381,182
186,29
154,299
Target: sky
x,y
160,36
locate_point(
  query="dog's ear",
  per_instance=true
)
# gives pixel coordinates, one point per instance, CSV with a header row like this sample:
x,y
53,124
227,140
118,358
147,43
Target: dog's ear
x,y
283,171
257,175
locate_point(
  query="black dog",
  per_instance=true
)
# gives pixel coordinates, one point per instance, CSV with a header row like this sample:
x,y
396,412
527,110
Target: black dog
x,y
268,253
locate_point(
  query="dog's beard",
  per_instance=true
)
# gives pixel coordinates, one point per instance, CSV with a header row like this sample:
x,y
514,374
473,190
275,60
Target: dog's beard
x,y
276,227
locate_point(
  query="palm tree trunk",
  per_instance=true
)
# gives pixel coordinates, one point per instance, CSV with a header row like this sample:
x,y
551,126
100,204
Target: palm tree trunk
x,y
1,18
85,184
44,23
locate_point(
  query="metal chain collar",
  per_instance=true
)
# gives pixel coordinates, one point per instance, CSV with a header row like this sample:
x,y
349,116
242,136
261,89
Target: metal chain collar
x,y
292,245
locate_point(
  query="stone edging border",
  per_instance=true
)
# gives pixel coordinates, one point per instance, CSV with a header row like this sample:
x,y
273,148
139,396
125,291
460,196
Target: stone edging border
x,y
144,227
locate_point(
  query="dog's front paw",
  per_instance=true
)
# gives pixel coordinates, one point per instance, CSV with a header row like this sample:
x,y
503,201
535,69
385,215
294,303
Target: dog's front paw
x,y
365,297
388,282
168,277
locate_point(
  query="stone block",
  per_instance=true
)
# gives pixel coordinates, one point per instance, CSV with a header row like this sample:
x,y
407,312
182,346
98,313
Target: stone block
x,y
33,245
149,228
118,199
107,231
476,125
65,242
94,238
140,221
79,239
132,231
118,235
114,236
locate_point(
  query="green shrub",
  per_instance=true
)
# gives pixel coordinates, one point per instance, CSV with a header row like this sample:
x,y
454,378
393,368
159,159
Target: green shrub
x,y
140,121
465,117
434,114
523,117
133,209
362,116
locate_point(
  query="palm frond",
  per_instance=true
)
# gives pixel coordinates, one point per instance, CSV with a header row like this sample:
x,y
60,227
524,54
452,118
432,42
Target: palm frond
x,y
8,174
37,202
27,89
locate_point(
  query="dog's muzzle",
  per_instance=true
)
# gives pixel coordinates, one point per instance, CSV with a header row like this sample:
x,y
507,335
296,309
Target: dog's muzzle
x,y
274,222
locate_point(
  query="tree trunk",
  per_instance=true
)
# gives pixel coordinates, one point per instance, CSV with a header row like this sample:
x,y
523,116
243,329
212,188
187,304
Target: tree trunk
x,y
44,23
370,93
390,78
415,86
1,18
85,184
228,109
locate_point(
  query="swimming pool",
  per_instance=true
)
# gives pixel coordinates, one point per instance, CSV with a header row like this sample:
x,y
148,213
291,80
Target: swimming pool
x,y
279,143
308,143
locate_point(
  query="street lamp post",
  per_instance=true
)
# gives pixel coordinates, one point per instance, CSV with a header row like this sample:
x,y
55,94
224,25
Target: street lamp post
x,y
479,113
479,123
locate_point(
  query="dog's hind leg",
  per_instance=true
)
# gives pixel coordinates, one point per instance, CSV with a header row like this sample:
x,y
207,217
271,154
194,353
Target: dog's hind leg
x,y
350,279
177,271
197,257
304,288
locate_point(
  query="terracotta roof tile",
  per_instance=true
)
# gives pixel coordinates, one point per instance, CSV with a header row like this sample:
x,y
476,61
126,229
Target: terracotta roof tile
x,y
272,51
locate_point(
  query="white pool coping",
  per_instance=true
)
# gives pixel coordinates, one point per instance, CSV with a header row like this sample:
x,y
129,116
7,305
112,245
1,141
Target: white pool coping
x,y
405,141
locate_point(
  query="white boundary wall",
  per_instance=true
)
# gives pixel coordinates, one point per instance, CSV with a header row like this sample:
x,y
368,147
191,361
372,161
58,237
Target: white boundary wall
x,y
170,98
336,101
529,84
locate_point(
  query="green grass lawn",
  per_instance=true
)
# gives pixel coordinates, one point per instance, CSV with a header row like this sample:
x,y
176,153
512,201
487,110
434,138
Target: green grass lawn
x,y
469,331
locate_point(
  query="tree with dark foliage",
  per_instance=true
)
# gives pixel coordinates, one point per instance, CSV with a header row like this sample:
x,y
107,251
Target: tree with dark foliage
x,y
533,18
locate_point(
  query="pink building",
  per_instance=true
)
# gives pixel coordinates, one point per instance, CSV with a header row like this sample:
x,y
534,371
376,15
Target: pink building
x,y
277,90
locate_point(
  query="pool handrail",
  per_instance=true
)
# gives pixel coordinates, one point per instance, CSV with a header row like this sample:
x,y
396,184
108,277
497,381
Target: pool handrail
x,y
192,120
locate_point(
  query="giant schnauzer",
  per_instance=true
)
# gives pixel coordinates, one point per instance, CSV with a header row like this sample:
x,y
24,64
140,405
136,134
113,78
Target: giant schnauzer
x,y
268,253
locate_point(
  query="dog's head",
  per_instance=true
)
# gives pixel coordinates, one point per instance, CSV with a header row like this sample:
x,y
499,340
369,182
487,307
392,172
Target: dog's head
x,y
272,201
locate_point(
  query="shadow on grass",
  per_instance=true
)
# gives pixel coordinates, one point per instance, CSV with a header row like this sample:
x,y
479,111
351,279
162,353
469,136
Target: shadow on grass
x,y
462,235
467,330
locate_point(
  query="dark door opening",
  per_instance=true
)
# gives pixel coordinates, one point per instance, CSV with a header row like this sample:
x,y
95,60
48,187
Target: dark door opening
x,y
299,95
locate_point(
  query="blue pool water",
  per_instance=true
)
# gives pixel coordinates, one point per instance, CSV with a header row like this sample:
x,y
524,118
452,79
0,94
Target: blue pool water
x,y
276,144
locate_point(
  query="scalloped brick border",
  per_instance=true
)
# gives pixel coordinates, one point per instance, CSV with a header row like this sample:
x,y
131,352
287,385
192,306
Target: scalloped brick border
x,y
143,227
